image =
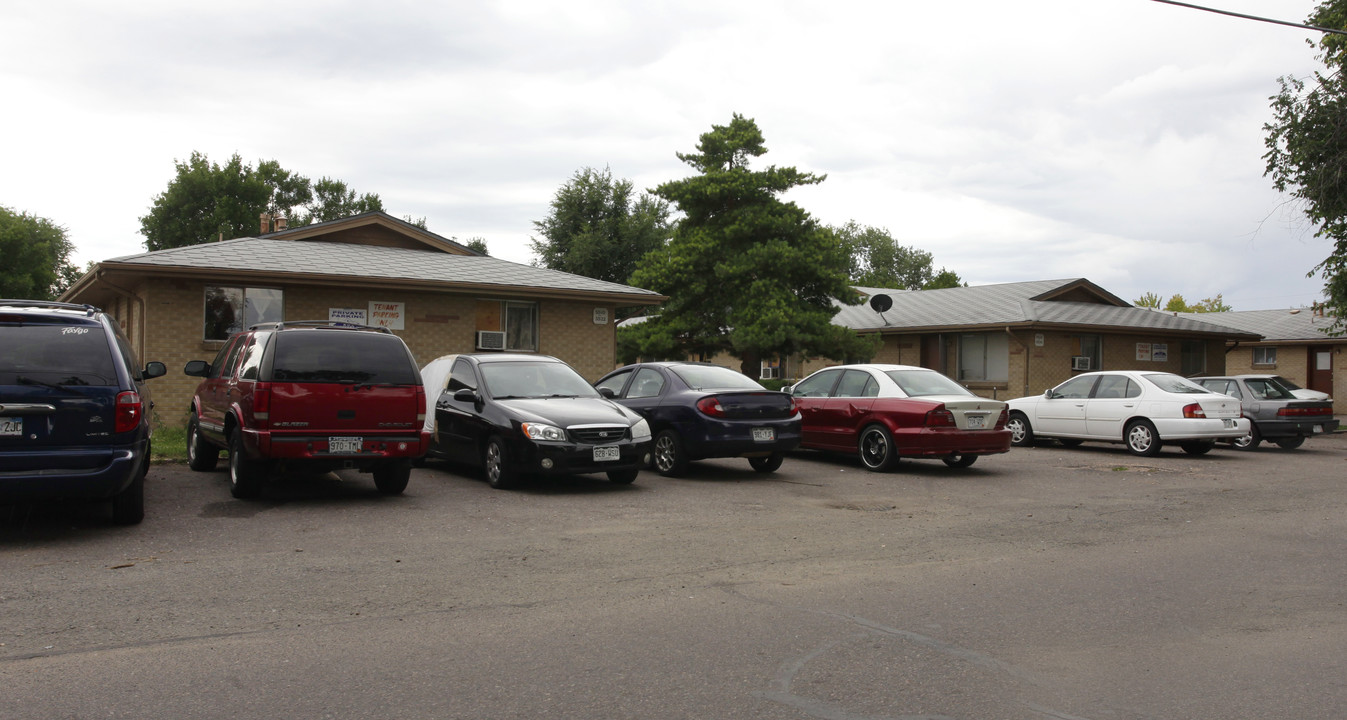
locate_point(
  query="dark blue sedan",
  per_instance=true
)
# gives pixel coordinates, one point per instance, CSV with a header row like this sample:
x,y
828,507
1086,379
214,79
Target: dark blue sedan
x,y
699,410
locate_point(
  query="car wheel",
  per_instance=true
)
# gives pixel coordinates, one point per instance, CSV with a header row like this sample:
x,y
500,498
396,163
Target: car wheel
x,y
670,459
1290,443
1021,434
499,474
1070,442
391,478
1250,441
1199,447
245,473
767,464
623,477
1141,438
876,449
128,506
201,455
960,460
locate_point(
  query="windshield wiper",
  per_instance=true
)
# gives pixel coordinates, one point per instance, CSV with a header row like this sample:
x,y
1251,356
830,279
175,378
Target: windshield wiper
x,y
25,380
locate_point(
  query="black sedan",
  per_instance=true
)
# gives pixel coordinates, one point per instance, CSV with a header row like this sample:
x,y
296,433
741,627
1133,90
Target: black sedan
x,y
522,415
699,410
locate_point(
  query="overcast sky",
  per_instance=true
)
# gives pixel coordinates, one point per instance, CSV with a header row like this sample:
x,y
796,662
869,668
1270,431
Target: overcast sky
x,y
1117,140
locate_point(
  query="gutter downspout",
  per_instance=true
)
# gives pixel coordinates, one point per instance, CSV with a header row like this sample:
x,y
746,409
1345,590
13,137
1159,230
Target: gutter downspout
x,y
140,303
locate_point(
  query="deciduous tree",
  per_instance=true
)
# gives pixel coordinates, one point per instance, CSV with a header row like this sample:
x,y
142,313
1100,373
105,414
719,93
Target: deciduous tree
x,y
205,201
36,257
746,272
598,227
1307,150
877,260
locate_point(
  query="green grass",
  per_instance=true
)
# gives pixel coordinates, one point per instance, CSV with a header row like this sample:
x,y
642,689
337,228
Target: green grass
x,y
170,443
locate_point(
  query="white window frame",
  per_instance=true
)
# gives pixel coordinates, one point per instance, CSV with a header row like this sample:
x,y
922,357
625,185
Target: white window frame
x,y
252,310
1268,356
984,357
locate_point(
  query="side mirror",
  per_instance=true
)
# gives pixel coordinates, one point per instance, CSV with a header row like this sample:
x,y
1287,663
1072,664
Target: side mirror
x,y
465,395
788,389
1048,394
607,392
154,370
197,368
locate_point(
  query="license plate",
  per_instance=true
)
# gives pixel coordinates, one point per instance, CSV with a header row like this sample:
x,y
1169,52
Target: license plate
x,y
764,434
11,426
1228,422
344,444
976,422
607,454
1318,428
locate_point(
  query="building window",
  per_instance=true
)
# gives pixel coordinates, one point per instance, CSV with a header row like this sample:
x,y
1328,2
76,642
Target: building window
x,y
1265,356
770,369
984,358
1088,346
517,320
231,309
1192,357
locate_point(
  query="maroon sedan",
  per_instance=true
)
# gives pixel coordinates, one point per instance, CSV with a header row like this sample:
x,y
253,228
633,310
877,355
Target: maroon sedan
x,y
885,412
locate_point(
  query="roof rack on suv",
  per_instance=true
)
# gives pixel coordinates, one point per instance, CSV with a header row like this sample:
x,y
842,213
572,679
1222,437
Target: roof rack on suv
x,y
329,324
12,302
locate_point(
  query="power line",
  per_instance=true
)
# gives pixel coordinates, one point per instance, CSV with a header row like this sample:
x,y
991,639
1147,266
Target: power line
x,y
1255,17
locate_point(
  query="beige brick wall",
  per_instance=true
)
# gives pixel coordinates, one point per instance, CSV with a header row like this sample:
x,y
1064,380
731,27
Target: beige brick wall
x,y
436,324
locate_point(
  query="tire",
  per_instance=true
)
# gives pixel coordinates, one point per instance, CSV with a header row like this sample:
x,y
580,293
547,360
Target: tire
x,y
1290,443
1021,433
496,461
1141,438
1250,441
876,449
201,455
391,478
623,477
1070,442
1199,447
767,464
128,506
670,458
960,461
245,473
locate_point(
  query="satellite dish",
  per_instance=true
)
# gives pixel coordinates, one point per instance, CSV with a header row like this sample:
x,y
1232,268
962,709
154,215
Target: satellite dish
x,y
880,303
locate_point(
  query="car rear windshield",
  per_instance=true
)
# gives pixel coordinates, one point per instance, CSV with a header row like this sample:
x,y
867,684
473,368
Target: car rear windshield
x,y
1176,384
714,377
37,353
340,356
917,383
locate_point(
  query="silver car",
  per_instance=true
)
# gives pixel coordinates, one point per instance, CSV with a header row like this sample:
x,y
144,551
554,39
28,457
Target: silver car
x,y
1275,413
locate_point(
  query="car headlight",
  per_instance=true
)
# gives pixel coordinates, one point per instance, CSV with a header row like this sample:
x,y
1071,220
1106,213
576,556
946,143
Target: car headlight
x,y
539,431
641,430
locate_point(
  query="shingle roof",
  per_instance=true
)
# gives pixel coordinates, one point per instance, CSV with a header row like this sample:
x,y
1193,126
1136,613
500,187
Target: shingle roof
x,y
334,259
1011,304
1274,325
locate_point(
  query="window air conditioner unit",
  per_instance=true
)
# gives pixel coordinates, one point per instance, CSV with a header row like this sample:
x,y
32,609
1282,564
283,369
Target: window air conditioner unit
x,y
1080,362
490,340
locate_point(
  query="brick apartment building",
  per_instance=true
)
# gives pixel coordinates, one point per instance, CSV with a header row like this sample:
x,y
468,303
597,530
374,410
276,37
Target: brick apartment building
x,y
439,296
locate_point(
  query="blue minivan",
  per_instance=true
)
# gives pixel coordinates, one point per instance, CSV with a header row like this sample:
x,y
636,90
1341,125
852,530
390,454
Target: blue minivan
x,y
74,408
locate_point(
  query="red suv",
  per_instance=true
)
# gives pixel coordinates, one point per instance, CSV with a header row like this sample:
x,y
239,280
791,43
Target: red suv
x,y
310,394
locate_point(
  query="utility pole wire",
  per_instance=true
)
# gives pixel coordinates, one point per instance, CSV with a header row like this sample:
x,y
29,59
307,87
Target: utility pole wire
x,y
1255,17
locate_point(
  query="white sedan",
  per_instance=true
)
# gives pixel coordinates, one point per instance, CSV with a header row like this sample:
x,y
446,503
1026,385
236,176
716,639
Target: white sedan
x,y
1140,409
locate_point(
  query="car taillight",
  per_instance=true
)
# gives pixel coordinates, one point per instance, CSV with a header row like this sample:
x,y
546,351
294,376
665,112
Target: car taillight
x,y
127,413
262,404
1304,411
1193,410
1005,418
711,406
420,404
940,417
794,406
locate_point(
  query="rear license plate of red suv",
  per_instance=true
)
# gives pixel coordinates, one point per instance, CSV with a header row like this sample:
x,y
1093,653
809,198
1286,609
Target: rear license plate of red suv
x,y
344,444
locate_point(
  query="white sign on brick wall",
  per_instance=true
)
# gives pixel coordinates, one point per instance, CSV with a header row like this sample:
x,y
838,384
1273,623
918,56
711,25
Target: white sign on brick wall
x,y
387,314
355,316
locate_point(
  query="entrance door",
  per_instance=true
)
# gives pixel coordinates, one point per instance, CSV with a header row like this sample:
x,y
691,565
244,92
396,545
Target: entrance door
x,y
1321,371
930,353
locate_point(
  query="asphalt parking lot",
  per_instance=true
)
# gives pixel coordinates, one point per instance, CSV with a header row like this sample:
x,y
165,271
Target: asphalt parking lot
x,y
1044,583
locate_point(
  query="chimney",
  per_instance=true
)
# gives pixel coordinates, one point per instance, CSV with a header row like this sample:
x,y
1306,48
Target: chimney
x,y
265,221
280,223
